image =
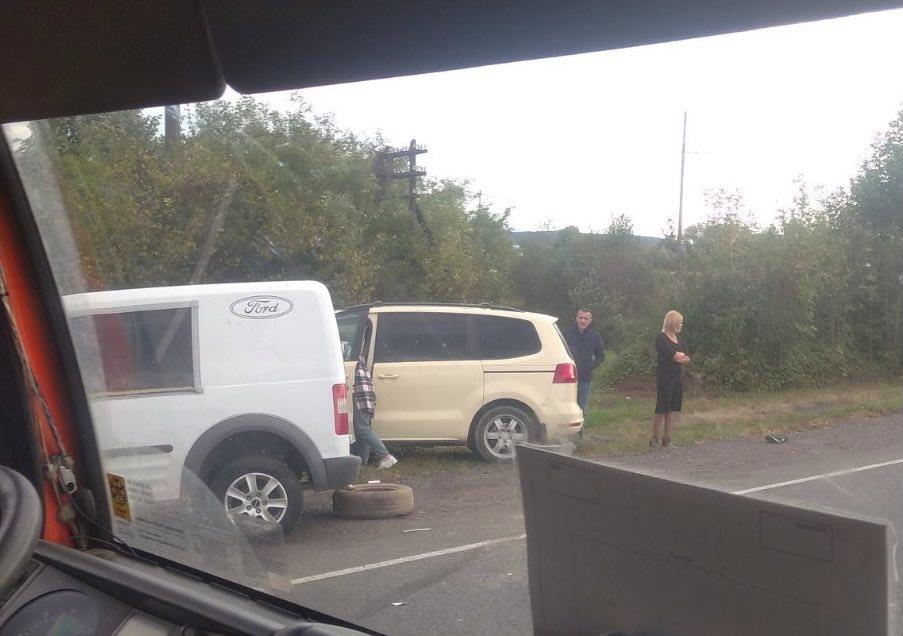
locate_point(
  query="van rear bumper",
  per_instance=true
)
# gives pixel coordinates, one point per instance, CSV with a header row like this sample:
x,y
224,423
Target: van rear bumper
x,y
341,471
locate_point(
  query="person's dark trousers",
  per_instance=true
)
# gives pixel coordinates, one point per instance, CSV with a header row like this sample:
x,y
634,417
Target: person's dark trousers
x,y
583,390
365,439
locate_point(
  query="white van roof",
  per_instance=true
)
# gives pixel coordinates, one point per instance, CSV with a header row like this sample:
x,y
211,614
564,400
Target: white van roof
x,y
232,350
146,295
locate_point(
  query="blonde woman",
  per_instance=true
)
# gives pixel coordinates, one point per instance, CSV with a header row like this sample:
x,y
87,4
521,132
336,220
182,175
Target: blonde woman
x,y
671,357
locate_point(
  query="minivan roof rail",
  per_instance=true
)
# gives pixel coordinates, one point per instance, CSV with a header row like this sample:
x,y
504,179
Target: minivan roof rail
x,y
380,303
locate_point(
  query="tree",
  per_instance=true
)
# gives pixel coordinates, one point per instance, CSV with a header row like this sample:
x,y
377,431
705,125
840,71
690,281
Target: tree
x,y
254,194
249,193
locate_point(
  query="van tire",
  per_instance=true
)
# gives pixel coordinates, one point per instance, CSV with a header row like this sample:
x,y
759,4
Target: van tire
x,y
265,467
373,501
496,422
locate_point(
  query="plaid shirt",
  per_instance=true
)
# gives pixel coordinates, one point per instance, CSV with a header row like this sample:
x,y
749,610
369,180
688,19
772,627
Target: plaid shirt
x,y
364,396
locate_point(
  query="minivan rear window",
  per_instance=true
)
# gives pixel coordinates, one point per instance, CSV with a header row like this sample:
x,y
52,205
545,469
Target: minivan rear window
x,y
499,337
564,341
414,337
141,351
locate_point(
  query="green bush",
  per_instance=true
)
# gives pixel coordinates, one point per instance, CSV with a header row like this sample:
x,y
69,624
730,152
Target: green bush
x,y
635,360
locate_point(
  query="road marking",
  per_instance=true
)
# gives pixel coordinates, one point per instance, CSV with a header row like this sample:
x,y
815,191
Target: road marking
x,y
519,537
836,473
407,559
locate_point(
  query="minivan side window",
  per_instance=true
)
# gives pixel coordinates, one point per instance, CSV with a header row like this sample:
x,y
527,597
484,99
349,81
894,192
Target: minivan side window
x,y
413,337
499,337
141,351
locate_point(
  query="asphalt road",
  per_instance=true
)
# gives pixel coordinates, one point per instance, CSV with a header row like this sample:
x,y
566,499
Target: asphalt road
x,y
463,568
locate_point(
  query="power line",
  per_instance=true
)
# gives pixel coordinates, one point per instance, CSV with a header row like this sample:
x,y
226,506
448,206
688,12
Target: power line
x,y
487,201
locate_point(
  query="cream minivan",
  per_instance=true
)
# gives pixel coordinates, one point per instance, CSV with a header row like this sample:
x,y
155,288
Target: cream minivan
x,y
479,375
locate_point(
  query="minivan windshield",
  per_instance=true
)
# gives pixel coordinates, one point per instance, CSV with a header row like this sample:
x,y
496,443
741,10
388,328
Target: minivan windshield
x,y
684,259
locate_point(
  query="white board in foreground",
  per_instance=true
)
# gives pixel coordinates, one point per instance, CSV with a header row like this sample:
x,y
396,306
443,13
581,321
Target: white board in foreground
x,y
616,552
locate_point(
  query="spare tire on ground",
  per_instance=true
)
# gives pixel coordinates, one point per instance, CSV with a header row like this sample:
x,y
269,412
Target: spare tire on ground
x,y
373,501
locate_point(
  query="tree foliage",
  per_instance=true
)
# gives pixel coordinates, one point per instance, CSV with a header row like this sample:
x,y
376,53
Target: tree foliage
x,y
249,193
816,297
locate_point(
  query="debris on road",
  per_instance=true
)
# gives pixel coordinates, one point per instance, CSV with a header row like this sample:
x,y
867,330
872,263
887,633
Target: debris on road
x,y
416,530
399,604
776,439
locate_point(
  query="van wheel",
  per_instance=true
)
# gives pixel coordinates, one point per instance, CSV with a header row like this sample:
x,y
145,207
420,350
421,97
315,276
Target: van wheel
x,y
499,430
262,488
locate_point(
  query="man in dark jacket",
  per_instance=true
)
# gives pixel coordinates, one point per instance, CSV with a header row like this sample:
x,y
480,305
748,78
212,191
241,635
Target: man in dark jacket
x,y
588,351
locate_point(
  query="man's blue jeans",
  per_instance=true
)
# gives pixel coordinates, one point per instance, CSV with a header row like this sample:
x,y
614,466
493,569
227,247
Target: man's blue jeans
x,y
365,438
583,390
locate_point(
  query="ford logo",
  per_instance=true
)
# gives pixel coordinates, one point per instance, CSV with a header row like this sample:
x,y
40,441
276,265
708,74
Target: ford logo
x,y
257,307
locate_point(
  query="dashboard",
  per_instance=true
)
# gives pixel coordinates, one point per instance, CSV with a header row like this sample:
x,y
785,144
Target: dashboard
x,y
64,592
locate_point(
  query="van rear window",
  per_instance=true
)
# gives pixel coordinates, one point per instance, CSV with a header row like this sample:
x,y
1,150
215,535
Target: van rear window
x,y
140,351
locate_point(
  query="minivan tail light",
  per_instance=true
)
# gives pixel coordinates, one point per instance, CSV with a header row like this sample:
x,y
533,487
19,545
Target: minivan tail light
x,y
565,373
340,408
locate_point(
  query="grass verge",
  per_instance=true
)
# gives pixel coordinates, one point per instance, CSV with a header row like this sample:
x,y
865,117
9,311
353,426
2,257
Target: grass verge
x,y
617,423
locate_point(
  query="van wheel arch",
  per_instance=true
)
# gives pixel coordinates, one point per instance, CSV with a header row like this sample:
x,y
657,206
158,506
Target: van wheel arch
x,y
258,434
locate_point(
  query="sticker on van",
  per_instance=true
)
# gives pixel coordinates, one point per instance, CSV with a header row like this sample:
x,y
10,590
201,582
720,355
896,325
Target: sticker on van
x,y
256,307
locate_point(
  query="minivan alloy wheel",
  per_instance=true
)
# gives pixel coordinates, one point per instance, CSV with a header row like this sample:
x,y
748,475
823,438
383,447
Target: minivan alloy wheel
x,y
502,433
257,495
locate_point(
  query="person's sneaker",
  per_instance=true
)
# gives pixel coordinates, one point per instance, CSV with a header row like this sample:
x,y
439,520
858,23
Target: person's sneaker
x,y
654,442
388,462
666,441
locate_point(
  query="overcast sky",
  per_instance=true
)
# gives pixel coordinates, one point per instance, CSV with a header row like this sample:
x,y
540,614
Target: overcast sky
x,y
574,140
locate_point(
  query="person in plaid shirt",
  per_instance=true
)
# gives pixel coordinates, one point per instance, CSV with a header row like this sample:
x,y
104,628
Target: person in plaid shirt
x,y
364,403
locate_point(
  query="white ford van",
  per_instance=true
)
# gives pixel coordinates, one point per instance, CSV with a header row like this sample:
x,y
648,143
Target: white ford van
x,y
241,385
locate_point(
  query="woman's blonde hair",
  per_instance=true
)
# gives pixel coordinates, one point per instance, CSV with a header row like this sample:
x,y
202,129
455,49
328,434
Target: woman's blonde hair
x,y
672,318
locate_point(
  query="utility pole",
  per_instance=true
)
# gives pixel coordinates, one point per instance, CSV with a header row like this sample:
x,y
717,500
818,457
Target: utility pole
x,y
385,172
172,125
680,205
682,262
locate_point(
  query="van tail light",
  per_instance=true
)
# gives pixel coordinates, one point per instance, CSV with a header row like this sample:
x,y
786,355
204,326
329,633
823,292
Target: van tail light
x,y
340,408
565,373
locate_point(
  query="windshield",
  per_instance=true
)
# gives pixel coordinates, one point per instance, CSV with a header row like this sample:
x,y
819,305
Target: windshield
x,y
684,259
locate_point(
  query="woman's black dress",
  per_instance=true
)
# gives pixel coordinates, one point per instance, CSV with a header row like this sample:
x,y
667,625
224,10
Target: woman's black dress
x,y
669,386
